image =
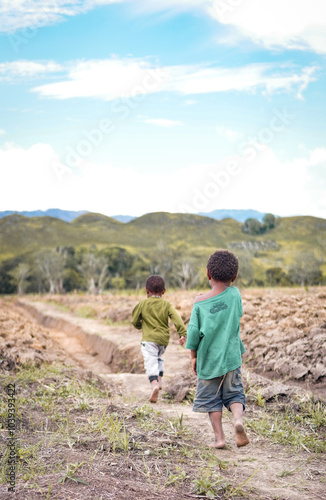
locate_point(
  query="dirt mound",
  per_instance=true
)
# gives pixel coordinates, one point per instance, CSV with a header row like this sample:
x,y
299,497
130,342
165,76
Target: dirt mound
x,y
285,333
23,341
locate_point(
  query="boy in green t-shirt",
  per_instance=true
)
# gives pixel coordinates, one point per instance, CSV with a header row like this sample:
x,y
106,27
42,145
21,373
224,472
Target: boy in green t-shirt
x,y
213,336
151,315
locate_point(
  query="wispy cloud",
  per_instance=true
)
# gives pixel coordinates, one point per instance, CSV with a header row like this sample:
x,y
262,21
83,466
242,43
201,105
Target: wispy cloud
x,y
2,132
162,122
27,69
292,24
110,79
19,14
265,77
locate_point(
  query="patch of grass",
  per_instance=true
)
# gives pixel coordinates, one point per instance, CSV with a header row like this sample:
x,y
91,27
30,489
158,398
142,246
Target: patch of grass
x,y
70,474
259,398
178,477
122,322
300,425
209,483
58,305
85,312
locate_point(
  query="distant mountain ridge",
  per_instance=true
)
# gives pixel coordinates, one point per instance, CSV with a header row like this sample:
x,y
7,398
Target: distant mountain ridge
x,y
70,215
238,215
123,218
65,215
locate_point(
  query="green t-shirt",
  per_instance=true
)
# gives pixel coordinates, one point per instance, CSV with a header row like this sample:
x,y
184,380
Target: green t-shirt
x,y
151,315
214,332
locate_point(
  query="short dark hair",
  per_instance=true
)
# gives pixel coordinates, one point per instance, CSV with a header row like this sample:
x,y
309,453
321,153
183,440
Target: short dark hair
x,y
155,284
223,265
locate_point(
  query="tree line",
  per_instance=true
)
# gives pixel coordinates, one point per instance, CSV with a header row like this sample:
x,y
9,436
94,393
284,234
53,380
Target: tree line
x,y
66,269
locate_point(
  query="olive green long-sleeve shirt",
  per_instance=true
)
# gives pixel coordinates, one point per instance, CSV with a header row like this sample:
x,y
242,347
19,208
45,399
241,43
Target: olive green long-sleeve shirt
x,y
151,315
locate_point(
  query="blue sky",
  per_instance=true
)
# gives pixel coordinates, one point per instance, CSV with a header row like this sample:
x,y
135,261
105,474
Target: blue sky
x,y
125,107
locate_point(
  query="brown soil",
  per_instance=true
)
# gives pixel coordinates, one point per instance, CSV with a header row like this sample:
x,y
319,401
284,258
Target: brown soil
x,y
279,329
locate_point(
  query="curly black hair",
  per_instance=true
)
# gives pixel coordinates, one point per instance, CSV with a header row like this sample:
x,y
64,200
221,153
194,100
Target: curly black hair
x,y
155,284
223,266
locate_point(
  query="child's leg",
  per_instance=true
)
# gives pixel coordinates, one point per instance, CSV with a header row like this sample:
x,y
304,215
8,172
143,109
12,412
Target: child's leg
x,y
234,399
151,354
216,421
160,380
240,433
155,391
162,350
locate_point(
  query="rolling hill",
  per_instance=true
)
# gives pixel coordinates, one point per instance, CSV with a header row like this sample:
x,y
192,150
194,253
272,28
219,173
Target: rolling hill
x,y
66,215
20,235
69,215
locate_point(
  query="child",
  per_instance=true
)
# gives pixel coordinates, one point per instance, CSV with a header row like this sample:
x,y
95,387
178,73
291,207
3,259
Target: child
x,y
214,339
151,315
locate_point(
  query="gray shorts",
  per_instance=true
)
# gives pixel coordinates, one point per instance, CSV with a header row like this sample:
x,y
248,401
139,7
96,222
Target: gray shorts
x,y
153,361
231,391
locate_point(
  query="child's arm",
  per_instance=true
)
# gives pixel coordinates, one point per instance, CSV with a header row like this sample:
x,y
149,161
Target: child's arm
x,y
179,324
136,317
182,340
194,361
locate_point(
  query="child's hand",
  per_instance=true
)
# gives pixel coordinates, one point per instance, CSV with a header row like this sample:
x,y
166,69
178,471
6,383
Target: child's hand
x,y
193,365
182,340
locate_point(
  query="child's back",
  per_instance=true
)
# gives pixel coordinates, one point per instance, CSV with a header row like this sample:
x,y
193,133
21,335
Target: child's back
x,y
151,315
214,328
216,349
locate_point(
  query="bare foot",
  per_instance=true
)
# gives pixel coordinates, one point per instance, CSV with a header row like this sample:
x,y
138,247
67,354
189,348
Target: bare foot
x,y
240,435
217,444
154,394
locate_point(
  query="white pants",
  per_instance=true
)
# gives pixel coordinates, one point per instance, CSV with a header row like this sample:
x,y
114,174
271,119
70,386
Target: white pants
x,y
153,361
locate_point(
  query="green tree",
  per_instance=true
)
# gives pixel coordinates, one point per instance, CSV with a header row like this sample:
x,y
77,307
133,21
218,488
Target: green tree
x,y
306,269
186,273
118,283
246,270
162,260
6,284
50,265
72,280
19,277
94,269
269,221
275,276
252,226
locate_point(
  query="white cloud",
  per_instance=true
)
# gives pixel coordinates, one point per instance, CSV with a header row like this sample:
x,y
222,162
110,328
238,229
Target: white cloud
x,y
109,79
292,24
2,132
267,77
27,69
32,14
162,122
266,184
230,135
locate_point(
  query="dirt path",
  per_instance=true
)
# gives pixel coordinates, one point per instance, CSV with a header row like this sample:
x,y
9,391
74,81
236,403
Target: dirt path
x,y
267,468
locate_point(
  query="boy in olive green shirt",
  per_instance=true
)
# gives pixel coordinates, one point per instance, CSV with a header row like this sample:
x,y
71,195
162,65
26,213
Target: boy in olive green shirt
x,y
151,315
213,336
